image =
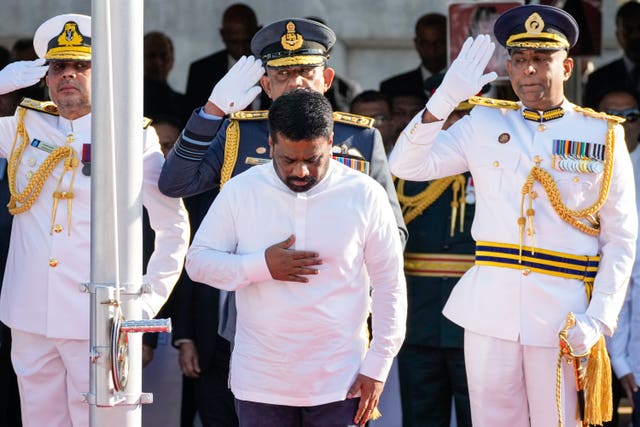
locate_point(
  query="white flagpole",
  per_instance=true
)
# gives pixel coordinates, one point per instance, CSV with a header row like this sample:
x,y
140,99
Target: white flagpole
x,y
116,206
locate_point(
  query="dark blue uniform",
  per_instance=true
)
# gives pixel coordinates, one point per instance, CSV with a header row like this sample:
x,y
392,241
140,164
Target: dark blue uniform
x,y
197,163
431,361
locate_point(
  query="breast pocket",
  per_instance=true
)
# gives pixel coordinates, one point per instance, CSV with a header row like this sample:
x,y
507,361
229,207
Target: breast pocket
x,y
577,191
495,173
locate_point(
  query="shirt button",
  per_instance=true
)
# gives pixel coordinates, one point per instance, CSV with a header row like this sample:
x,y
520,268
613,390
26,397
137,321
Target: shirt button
x,y
576,179
53,262
537,159
496,164
57,228
526,272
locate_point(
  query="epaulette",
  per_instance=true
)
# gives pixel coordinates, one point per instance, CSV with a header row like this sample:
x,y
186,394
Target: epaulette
x,y
44,106
598,115
494,103
146,122
353,119
250,115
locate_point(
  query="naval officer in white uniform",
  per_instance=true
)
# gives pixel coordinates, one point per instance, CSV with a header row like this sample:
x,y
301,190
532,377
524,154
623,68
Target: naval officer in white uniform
x,y
48,147
555,220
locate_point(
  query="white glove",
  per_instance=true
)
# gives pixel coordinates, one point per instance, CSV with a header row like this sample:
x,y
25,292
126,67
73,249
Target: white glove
x,y
464,77
17,75
238,87
584,334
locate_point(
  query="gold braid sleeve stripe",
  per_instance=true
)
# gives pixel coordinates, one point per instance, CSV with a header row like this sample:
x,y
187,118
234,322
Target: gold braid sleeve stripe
x,y
413,206
570,216
22,202
230,151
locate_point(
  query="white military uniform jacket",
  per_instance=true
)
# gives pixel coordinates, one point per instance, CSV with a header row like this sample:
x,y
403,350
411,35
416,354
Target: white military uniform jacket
x,y
499,147
40,292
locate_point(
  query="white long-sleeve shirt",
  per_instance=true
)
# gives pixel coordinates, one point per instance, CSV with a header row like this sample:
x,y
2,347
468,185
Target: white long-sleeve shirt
x,y
624,345
303,344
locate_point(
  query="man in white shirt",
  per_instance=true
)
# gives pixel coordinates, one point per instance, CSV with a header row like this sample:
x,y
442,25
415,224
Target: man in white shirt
x,y
306,276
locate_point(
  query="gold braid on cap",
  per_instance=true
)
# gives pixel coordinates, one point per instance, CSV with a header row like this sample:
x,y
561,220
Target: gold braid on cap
x,y
413,206
23,201
575,218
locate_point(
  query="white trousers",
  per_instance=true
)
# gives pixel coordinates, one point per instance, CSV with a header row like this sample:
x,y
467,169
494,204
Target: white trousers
x,y
514,385
52,375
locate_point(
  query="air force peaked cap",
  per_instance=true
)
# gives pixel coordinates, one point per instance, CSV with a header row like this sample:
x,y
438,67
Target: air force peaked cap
x,y
537,27
293,42
64,37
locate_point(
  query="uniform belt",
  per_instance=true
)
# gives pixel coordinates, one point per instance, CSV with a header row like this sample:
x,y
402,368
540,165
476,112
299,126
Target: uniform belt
x,y
543,261
437,265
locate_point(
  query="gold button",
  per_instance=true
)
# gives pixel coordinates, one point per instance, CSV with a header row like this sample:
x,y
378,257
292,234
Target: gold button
x,y
29,174
57,228
526,272
70,138
576,179
53,262
496,164
537,159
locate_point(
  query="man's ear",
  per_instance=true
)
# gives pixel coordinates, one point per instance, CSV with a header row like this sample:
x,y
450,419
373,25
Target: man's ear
x,y
266,85
328,74
270,147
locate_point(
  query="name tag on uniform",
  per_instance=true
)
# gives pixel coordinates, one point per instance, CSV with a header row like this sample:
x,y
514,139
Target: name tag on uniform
x,y
44,146
254,161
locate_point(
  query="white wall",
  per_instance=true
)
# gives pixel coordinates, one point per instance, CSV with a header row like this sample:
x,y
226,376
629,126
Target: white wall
x,y
374,36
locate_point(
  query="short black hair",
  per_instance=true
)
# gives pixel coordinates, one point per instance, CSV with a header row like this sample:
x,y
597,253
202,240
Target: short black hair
x,y
299,115
436,20
370,96
628,8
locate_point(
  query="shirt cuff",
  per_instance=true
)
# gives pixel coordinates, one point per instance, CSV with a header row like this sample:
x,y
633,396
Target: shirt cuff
x,y
204,115
620,366
255,267
376,367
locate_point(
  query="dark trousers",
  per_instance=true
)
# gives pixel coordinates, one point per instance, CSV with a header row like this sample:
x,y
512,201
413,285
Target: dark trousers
x,y
429,378
334,414
636,411
9,397
213,396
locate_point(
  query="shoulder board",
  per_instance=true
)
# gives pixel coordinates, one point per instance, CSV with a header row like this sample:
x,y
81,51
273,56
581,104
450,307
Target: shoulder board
x,y
146,121
44,106
494,103
598,115
250,115
353,119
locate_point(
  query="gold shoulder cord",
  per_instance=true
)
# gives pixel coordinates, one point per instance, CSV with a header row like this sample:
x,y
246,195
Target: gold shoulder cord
x,y
232,143
22,202
413,206
570,216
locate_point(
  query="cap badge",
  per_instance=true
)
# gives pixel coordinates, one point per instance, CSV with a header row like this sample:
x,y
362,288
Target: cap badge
x,y
534,24
70,35
291,40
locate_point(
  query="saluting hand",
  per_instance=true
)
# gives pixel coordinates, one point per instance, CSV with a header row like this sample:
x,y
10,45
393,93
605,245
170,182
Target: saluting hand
x,y
17,75
291,265
464,78
238,88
